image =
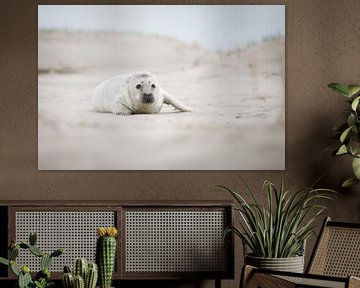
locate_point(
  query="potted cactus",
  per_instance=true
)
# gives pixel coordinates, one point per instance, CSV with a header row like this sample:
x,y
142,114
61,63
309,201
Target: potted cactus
x,y
106,254
42,278
84,275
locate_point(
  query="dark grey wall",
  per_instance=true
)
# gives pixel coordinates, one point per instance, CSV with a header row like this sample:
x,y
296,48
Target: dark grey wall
x,y
322,46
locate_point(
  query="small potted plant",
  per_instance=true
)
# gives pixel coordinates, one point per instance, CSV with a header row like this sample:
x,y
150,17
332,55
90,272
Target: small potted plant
x,y
275,233
42,278
348,132
106,254
84,274
87,274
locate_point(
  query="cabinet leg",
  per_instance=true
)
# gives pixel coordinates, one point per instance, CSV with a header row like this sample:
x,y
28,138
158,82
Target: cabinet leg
x,y
217,283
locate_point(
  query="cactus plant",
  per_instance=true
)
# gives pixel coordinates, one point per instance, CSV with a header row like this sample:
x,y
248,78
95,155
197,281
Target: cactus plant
x,y
36,251
32,238
45,261
14,268
13,253
91,276
105,254
24,245
84,274
24,280
42,278
67,269
80,267
43,274
57,253
68,280
79,282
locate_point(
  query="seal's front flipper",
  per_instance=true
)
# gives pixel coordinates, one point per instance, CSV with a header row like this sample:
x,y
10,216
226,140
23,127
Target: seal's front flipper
x,y
121,110
171,100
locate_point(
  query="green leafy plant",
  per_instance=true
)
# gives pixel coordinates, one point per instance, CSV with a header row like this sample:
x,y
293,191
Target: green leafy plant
x,y
279,229
42,278
348,132
43,283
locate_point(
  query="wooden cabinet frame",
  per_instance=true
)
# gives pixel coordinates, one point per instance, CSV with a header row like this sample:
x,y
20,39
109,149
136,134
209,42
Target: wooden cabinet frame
x,y
120,209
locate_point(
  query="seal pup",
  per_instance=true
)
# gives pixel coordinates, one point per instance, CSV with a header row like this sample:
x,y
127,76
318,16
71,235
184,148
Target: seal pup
x,y
137,93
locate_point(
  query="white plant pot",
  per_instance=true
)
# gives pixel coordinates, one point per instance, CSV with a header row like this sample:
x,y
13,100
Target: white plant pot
x,y
291,264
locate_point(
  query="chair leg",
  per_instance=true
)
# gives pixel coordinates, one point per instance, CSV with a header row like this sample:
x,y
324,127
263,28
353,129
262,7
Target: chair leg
x,y
354,282
246,273
217,283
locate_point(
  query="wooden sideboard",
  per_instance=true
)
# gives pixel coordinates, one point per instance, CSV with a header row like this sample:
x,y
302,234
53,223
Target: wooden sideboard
x,y
157,240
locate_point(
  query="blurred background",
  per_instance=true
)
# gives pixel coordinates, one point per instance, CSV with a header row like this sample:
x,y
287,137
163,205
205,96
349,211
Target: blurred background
x,y
213,27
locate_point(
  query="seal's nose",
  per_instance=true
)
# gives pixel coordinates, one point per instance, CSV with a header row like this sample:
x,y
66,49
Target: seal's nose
x,y
148,98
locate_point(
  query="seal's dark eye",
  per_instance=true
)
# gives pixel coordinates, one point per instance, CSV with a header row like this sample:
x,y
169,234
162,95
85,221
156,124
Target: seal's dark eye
x,y
153,86
138,86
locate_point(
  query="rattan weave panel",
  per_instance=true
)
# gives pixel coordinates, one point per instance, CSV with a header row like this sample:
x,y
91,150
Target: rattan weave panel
x,y
75,231
175,241
267,280
305,282
338,253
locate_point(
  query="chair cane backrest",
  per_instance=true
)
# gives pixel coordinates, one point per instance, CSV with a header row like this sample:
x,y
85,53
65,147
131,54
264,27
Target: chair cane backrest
x,y
337,252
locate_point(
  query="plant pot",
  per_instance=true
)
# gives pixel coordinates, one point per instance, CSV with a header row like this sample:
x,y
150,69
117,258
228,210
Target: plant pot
x,y
291,264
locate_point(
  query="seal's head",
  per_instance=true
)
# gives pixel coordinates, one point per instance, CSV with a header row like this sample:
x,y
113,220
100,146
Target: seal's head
x,y
145,87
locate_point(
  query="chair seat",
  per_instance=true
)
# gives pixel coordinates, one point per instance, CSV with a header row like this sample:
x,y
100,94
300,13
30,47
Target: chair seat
x,y
315,282
267,279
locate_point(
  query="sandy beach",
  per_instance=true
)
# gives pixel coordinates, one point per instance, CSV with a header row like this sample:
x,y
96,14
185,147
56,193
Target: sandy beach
x,y
238,102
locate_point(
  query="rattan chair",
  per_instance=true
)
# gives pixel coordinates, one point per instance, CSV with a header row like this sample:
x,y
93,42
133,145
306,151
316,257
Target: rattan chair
x,y
334,263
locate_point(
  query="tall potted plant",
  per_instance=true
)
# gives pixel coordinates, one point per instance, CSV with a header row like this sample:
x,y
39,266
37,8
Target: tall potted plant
x,y
275,233
348,133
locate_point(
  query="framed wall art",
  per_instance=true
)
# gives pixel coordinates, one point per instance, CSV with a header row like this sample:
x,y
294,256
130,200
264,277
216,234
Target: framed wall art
x,y
161,87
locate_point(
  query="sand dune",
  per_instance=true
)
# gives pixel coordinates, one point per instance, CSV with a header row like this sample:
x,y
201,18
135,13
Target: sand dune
x,y
238,101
